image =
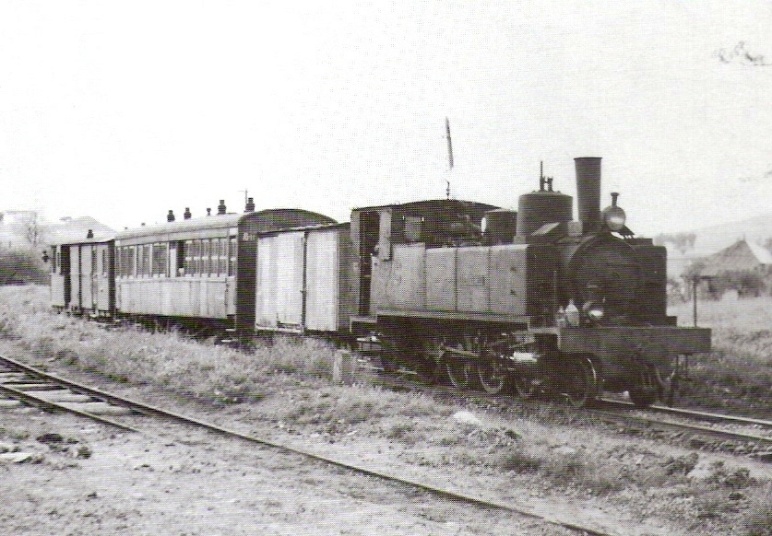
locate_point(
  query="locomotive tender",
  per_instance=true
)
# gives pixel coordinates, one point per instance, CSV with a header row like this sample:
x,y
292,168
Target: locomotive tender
x,y
483,296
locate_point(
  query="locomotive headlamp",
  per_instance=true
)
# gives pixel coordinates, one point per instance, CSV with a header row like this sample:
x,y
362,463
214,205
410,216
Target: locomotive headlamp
x,y
614,217
593,310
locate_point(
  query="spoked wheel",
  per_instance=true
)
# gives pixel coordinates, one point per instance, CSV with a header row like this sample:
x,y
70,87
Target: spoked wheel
x,y
492,376
646,391
582,382
428,367
461,372
524,385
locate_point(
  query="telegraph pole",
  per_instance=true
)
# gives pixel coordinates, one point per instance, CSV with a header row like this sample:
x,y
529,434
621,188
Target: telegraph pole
x,y
450,154
450,142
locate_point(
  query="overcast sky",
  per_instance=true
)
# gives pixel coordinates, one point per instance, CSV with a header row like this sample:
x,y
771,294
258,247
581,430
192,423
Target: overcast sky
x,y
124,110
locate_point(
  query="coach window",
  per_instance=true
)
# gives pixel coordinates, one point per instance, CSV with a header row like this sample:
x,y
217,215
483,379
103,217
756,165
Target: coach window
x,y
213,256
205,252
160,260
232,256
196,254
140,262
188,265
222,256
217,257
180,264
123,261
147,256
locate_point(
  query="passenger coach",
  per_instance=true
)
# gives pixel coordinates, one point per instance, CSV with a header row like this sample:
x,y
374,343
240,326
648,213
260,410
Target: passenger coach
x,y
198,269
83,275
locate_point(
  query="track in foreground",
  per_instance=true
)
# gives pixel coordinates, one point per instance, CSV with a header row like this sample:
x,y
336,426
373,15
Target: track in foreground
x,y
617,412
12,366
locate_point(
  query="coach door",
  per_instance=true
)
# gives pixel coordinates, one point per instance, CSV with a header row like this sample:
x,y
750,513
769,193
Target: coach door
x,y
94,278
75,280
87,276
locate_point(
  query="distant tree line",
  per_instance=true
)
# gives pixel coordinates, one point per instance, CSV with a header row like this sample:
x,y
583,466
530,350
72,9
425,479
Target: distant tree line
x,y
682,242
22,266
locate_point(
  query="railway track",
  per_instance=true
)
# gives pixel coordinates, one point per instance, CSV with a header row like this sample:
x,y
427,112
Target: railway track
x,y
19,381
752,437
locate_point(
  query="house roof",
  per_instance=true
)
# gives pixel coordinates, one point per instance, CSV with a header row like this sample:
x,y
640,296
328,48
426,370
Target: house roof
x,y
762,254
741,255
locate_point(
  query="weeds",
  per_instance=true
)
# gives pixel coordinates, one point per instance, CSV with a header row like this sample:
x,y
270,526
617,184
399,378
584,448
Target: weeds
x,y
758,521
737,374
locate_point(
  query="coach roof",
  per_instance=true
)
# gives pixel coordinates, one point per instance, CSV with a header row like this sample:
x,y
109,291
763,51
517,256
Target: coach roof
x,y
269,219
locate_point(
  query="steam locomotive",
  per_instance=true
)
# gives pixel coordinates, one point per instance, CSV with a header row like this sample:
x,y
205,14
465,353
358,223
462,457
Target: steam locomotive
x,y
484,297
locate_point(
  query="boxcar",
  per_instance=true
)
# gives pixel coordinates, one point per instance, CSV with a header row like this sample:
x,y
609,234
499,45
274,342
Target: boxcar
x,y
83,276
304,280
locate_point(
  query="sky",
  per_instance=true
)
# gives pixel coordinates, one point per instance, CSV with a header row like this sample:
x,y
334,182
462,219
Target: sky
x,y
124,110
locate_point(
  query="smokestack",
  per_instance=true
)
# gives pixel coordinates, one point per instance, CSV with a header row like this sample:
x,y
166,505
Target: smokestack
x,y
170,216
187,215
250,205
221,208
588,191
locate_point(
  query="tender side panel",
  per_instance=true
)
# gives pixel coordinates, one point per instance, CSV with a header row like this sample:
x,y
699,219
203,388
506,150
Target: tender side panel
x,y
441,279
400,283
479,279
473,279
508,276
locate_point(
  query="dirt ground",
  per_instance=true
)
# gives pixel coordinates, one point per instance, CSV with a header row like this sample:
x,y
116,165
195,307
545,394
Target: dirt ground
x,y
70,477
82,478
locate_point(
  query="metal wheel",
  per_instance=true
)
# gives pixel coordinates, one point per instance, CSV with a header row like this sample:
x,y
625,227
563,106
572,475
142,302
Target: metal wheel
x,y
646,391
582,382
389,364
492,376
460,372
524,385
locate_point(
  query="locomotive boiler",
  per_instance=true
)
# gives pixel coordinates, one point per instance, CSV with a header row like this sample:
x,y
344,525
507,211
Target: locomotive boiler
x,y
534,299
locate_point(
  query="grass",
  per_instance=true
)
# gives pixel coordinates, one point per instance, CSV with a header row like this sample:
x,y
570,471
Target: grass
x,y
737,374
168,359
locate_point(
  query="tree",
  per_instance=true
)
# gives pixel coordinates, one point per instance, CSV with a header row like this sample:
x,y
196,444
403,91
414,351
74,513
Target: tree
x,y
740,54
682,242
33,231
